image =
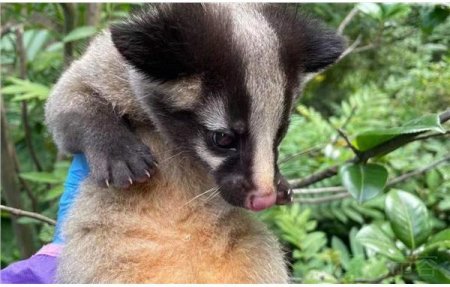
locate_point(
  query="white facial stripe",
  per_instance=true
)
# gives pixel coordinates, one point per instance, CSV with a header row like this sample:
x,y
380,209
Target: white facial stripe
x,y
265,82
213,115
212,160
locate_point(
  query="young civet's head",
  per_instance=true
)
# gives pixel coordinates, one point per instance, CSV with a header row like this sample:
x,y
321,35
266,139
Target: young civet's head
x,y
219,81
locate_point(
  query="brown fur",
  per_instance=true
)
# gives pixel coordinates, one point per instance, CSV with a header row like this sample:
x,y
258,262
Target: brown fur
x,y
164,232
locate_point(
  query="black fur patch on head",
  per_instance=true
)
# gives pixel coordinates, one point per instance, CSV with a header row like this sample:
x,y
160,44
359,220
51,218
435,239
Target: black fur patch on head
x,y
169,41
306,45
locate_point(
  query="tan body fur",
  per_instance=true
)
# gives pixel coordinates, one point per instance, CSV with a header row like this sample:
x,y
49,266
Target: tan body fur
x,y
170,230
162,232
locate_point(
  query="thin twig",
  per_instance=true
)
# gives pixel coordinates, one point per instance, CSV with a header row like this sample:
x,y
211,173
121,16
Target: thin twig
x,y
349,144
364,48
432,136
350,116
310,150
347,20
319,190
416,172
323,199
24,213
350,48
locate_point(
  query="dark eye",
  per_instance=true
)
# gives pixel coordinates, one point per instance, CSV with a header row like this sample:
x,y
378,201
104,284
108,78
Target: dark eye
x,y
224,140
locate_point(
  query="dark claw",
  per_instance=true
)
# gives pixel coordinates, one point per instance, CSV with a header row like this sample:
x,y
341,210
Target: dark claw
x,y
121,165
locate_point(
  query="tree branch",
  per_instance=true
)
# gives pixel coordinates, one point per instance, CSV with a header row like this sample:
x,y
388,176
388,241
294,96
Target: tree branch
x,y
379,150
69,24
24,105
93,13
6,29
10,190
315,177
24,213
340,190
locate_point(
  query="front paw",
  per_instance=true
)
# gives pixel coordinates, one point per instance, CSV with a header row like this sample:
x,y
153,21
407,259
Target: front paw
x,y
121,164
285,195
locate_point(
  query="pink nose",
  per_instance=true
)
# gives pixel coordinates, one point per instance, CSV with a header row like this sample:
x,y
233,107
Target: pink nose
x,y
257,201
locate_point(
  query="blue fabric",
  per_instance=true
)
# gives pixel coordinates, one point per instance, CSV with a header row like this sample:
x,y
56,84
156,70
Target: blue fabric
x,y
77,173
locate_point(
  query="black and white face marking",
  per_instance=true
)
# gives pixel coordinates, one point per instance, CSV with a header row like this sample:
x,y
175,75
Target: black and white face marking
x,y
219,81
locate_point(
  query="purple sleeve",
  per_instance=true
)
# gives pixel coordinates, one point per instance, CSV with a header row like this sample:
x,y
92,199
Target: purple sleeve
x,y
39,268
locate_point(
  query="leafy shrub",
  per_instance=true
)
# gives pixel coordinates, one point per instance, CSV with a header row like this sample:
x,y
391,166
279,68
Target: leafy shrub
x,y
398,72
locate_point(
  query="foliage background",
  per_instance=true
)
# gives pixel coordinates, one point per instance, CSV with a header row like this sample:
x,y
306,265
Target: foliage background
x,y
398,72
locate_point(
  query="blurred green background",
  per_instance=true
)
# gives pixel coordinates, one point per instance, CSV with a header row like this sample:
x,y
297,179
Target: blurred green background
x,y
397,69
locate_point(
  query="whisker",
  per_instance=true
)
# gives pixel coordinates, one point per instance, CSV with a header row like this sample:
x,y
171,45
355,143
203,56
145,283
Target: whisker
x,y
172,157
212,195
203,193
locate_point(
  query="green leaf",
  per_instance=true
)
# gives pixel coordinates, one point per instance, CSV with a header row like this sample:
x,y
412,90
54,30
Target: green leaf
x,y
371,9
434,267
46,233
80,33
356,247
354,215
25,90
53,193
337,244
42,177
316,276
35,42
372,237
433,18
408,216
433,179
396,10
363,181
369,139
444,235
439,240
